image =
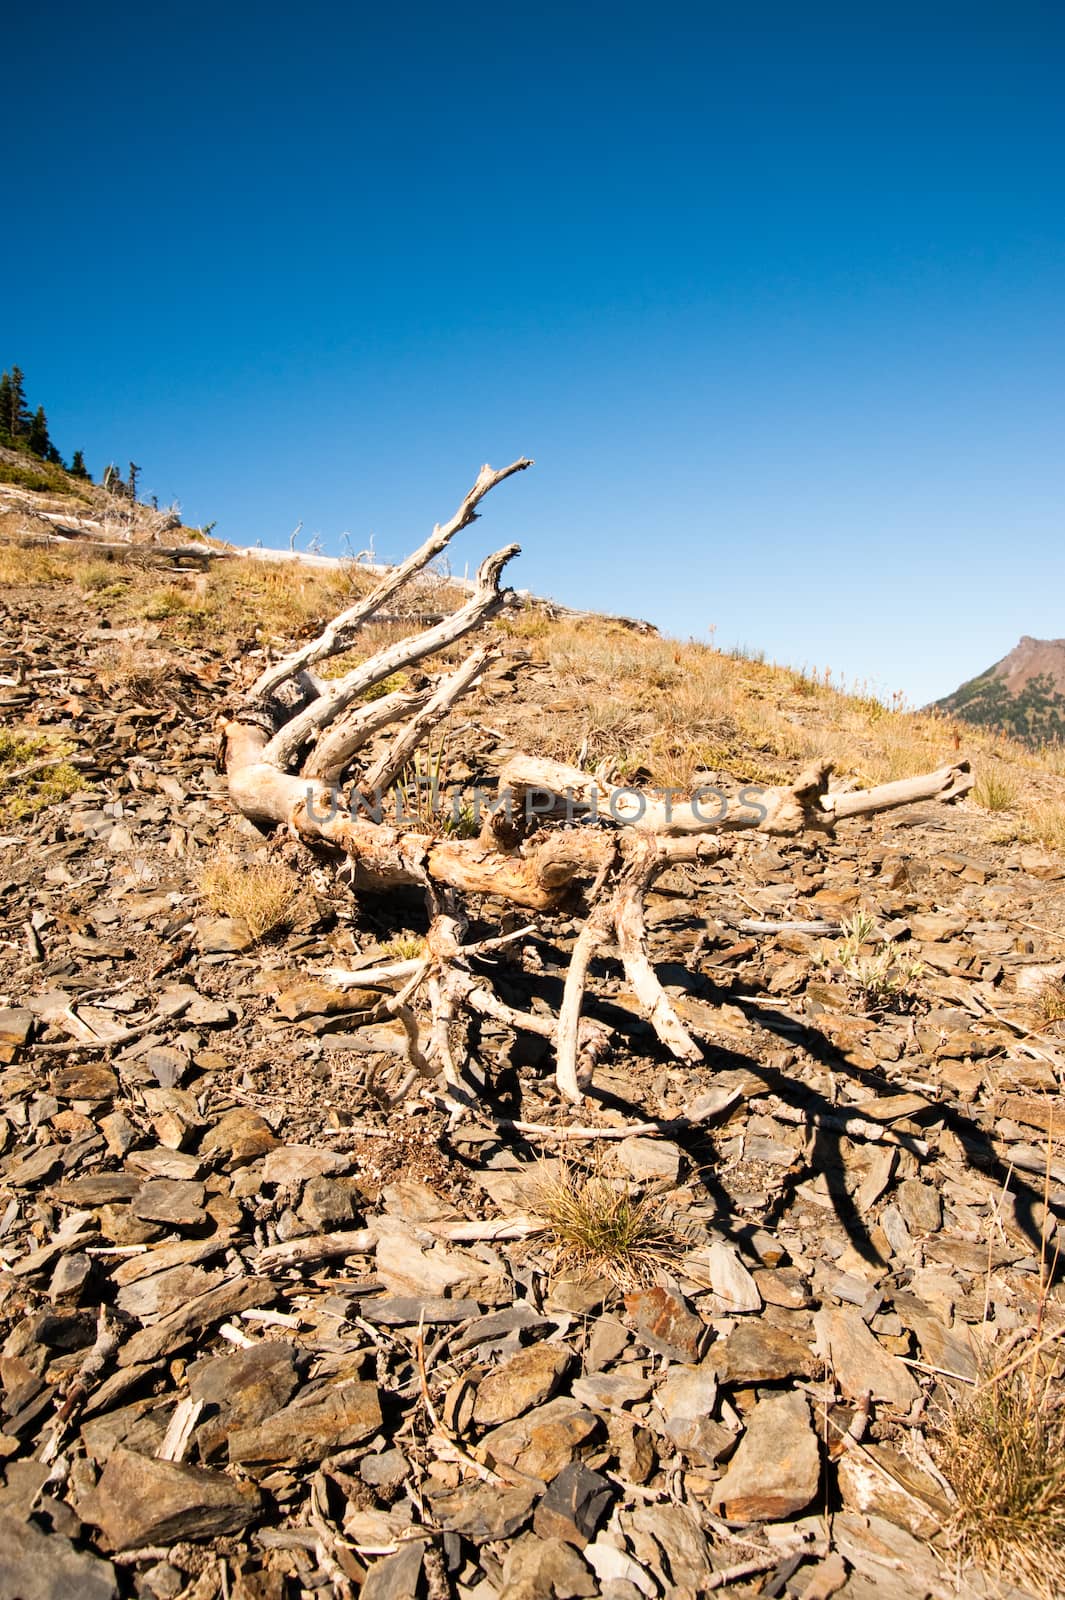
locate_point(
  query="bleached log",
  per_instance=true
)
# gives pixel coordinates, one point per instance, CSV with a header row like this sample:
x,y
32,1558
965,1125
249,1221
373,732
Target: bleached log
x,y
632,943
339,744
337,633
487,599
557,789
387,768
570,1070
520,857
947,783
317,1247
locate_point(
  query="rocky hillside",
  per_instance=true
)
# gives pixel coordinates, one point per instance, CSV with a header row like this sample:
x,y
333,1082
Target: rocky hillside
x,y
1023,694
263,1336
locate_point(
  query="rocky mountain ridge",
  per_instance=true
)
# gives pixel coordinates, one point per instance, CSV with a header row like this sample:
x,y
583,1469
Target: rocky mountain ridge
x,y
1023,695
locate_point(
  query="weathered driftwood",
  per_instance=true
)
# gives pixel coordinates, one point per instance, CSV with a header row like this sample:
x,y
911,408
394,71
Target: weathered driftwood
x,y
296,739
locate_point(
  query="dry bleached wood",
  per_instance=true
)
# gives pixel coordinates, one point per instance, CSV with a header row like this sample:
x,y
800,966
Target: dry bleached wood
x,y
528,853
338,633
487,599
554,788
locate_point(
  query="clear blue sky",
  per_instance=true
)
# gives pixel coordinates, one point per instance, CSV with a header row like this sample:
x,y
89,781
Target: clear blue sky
x,y
773,294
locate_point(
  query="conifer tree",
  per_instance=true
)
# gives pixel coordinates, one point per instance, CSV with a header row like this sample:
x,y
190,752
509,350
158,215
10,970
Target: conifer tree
x,y
18,412
5,408
37,439
78,469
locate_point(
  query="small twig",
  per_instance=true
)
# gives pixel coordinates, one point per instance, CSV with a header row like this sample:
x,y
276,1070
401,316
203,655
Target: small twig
x,y
631,1130
502,1228
125,1037
743,1569
751,925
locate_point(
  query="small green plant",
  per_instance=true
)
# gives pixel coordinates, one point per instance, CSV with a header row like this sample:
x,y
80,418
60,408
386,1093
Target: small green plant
x,y
389,685
421,800
603,1228
883,977
264,894
857,930
1002,1450
404,947
35,772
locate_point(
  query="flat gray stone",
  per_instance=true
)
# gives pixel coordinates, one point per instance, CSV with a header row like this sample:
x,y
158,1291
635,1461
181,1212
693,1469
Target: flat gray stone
x,y
142,1501
859,1361
45,1566
526,1380
777,1466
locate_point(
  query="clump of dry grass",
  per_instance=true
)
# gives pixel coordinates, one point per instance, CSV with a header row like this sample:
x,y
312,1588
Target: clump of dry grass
x,y
23,564
1052,758
132,668
264,894
35,772
1002,1450
600,1227
168,600
1046,824
1051,1003
995,791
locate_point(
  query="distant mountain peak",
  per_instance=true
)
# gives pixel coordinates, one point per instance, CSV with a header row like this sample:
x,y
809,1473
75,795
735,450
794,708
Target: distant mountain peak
x,y
1023,694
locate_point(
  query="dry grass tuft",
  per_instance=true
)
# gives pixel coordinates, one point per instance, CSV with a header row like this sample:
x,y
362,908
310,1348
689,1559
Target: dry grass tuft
x,y
25,564
1046,824
132,668
603,1228
264,894
1002,1450
1051,1002
995,791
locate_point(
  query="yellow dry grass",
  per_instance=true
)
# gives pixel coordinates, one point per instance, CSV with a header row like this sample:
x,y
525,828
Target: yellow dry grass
x,y
264,894
675,714
1051,1003
649,709
599,1227
1002,1450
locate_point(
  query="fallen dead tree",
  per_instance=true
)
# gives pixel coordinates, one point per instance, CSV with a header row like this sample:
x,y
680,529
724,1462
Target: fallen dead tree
x,y
298,738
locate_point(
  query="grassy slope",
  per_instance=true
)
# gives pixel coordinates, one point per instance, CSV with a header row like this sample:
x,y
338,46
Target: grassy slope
x,y
659,711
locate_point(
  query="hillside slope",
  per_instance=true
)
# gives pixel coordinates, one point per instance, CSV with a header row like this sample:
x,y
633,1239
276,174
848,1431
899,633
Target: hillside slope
x,y
325,1309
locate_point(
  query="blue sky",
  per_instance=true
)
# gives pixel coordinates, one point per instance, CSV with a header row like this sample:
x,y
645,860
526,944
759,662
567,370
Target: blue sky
x,y
774,296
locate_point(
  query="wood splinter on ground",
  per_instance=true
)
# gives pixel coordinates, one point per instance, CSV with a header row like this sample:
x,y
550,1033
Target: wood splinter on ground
x,y
292,754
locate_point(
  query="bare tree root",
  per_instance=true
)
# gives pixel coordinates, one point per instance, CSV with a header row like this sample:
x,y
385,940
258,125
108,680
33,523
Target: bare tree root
x,y
295,739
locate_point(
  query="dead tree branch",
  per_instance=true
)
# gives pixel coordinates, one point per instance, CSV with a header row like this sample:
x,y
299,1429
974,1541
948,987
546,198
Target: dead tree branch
x,y
529,852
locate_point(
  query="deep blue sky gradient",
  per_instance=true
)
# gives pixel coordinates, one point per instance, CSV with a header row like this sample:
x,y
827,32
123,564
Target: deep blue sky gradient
x,y
774,295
